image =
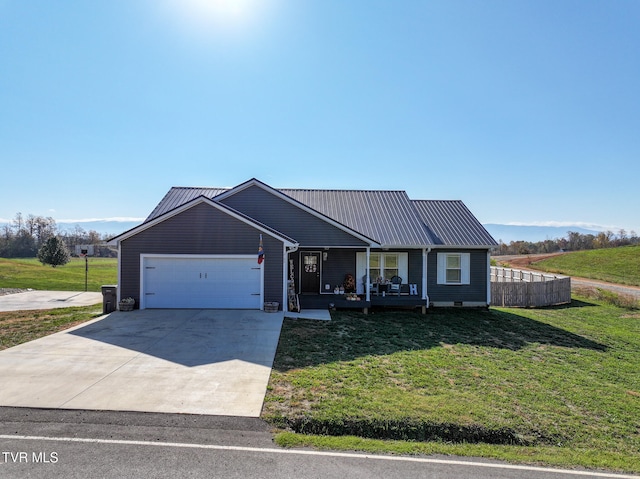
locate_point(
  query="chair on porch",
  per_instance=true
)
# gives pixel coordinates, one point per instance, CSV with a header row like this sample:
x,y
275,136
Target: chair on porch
x,y
373,287
395,285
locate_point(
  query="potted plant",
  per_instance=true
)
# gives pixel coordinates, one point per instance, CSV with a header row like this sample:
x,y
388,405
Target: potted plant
x,y
126,304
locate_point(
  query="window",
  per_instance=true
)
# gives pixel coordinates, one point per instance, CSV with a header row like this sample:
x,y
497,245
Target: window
x,y
310,263
374,263
454,268
383,265
453,272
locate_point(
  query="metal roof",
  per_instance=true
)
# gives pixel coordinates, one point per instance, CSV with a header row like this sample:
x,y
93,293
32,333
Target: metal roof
x,y
390,218
385,216
450,223
179,195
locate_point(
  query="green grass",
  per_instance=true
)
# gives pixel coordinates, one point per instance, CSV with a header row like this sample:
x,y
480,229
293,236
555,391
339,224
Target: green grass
x,y
17,327
615,265
556,386
30,273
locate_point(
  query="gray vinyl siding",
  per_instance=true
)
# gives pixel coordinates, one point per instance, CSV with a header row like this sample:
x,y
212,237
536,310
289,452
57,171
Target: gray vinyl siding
x,y
289,219
475,291
339,263
201,229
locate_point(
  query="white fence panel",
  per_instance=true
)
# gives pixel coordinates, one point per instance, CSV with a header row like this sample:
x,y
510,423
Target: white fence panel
x,y
528,289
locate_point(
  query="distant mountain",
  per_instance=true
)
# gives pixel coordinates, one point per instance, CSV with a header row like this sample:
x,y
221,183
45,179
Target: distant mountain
x,y
533,234
506,233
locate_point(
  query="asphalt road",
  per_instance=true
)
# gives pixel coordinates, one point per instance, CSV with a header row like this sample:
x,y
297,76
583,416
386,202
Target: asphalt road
x,y
78,444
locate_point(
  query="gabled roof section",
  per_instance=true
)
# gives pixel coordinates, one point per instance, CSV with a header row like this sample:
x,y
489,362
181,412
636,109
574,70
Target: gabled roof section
x,y
179,195
196,201
450,223
281,193
386,216
388,219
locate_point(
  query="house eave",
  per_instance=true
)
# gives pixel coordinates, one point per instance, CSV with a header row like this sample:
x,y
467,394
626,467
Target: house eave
x,y
288,242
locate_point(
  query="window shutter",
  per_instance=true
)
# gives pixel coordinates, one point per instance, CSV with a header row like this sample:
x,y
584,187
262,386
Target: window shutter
x,y
442,268
466,268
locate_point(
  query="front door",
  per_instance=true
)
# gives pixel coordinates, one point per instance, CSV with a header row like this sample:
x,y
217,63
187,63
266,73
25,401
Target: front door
x,y
310,281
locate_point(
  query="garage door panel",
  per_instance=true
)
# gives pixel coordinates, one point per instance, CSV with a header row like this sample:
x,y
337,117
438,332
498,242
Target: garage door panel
x,y
202,282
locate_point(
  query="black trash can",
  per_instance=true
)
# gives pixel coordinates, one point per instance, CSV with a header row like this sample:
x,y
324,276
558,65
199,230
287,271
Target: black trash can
x,y
109,298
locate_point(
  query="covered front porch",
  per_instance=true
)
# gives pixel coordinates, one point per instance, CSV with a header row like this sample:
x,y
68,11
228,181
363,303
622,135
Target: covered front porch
x,y
358,278
338,301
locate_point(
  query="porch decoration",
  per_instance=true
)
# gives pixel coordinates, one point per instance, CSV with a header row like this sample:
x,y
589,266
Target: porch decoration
x,y
271,306
126,304
349,283
292,297
260,251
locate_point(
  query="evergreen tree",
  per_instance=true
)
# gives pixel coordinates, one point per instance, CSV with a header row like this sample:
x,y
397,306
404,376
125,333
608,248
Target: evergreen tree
x,y
54,252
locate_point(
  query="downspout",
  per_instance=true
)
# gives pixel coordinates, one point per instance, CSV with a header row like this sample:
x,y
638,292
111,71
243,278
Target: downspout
x,y
119,285
425,262
488,278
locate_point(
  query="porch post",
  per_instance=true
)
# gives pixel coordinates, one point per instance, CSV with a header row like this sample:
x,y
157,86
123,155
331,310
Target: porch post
x,y
425,262
367,288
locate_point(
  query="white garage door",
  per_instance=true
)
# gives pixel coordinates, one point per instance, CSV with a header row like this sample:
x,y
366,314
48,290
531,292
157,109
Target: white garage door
x,y
221,282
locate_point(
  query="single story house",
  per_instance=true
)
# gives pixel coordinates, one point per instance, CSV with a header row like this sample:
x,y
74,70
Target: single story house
x,y
199,248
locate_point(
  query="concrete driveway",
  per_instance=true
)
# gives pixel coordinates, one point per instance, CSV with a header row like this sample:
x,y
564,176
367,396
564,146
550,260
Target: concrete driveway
x,y
173,361
28,300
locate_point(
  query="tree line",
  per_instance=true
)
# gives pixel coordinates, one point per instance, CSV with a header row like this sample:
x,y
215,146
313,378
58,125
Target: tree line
x,y
574,241
25,236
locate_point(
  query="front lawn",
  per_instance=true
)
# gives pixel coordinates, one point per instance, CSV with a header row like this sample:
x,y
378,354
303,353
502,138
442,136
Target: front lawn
x,y
18,327
557,386
27,273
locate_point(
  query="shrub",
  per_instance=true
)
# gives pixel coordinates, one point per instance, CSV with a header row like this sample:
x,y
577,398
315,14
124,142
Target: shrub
x,y
54,252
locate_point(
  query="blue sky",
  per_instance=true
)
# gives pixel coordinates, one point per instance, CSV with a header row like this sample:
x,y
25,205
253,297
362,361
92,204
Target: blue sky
x,y
529,111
